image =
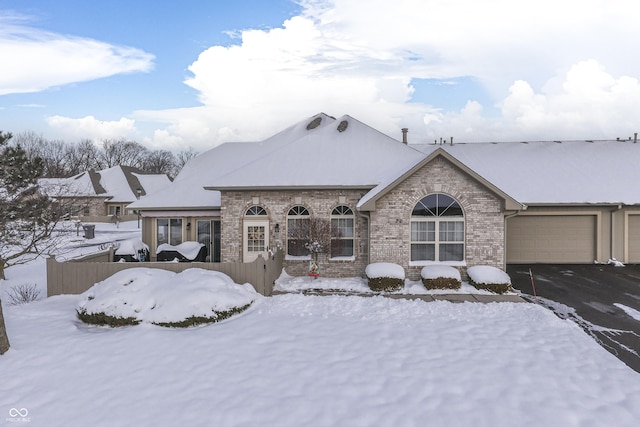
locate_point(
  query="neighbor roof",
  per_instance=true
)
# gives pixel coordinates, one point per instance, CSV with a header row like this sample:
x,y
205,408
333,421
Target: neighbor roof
x,y
118,184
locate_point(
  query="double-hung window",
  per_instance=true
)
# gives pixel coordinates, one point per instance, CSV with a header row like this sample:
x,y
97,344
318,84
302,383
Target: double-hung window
x,y
342,234
437,229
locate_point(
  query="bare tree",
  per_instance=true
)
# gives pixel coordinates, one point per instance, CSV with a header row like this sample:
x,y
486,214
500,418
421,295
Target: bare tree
x,y
121,152
184,156
160,161
4,339
314,234
82,157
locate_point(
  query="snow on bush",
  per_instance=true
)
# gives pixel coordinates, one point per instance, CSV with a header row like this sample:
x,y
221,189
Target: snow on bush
x,y
385,276
440,271
164,298
384,269
440,277
490,278
488,275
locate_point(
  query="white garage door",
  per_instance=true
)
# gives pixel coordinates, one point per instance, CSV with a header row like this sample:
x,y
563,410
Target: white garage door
x,y
634,239
551,239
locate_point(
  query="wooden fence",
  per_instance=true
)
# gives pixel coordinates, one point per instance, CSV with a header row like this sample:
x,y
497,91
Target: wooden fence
x,y
78,275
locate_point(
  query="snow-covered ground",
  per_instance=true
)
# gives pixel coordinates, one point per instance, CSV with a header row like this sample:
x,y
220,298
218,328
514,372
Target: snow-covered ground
x,y
295,359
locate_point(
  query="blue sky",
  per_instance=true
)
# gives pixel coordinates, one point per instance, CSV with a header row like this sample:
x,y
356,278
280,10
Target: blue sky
x,y
199,73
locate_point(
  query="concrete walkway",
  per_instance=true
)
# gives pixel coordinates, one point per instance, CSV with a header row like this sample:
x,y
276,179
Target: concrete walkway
x,y
424,297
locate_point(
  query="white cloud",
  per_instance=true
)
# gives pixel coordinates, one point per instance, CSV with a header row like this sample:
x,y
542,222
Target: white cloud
x,y
90,128
586,102
343,56
35,60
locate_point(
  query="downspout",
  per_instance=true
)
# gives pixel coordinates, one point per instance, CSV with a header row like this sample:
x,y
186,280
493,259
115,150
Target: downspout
x,y
367,215
504,244
612,231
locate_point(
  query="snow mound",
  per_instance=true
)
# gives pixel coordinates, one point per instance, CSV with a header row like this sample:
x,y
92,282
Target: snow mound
x,y
488,275
158,296
188,249
131,247
384,269
440,271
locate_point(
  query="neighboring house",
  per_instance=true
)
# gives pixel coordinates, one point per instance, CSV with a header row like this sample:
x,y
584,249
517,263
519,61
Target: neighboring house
x,y
414,205
105,193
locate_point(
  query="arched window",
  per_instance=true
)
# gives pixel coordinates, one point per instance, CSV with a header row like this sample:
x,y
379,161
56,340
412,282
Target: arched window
x,y
298,223
255,210
437,229
342,234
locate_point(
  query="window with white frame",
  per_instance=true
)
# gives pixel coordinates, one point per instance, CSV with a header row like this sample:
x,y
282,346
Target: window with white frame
x,y
437,229
298,223
169,230
342,234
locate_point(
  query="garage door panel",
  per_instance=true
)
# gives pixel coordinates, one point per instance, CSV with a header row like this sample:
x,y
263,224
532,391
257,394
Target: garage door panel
x,y
551,239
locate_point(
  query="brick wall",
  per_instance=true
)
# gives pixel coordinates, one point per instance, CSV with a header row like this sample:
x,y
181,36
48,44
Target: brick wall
x,y
390,222
484,219
277,204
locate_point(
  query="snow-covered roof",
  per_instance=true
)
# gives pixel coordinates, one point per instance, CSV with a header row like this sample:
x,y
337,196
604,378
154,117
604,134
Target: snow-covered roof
x,y
316,152
117,184
549,172
325,152
343,153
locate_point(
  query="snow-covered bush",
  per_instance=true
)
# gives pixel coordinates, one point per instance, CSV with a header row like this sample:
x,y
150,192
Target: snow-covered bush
x,y
440,277
385,276
164,298
490,278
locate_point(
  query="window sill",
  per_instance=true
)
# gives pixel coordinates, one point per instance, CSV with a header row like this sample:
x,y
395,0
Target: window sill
x,y
297,258
342,259
449,263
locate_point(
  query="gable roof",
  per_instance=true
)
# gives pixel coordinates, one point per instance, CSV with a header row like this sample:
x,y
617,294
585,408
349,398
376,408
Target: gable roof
x,y
187,191
552,173
367,203
116,184
345,153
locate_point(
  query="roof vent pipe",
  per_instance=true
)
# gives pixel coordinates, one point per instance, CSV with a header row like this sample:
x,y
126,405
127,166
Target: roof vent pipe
x,y
404,135
635,137
451,140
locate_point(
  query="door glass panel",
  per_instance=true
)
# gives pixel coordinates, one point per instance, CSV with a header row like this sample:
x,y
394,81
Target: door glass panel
x,y
255,238
204,236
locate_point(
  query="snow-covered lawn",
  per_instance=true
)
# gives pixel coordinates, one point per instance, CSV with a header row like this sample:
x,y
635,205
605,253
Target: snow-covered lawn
x,y
303,360
294,360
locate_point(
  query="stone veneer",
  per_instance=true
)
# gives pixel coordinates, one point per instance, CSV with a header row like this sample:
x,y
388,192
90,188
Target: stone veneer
x,y
484,218
320,203
390,229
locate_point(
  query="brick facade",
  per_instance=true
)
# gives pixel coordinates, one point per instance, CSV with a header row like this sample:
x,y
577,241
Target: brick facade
x,y
389,225
483,212
277,204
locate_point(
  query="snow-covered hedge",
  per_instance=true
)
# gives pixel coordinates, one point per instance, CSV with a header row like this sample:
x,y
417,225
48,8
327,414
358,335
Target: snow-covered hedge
x,y
385,276
164,298
440,277
490,278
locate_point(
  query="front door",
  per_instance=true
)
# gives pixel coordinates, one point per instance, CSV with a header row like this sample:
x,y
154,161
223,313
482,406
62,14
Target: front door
x,y
255,240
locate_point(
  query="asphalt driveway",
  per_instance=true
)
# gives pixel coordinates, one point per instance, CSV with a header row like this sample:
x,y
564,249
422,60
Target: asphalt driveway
x,y
596,293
